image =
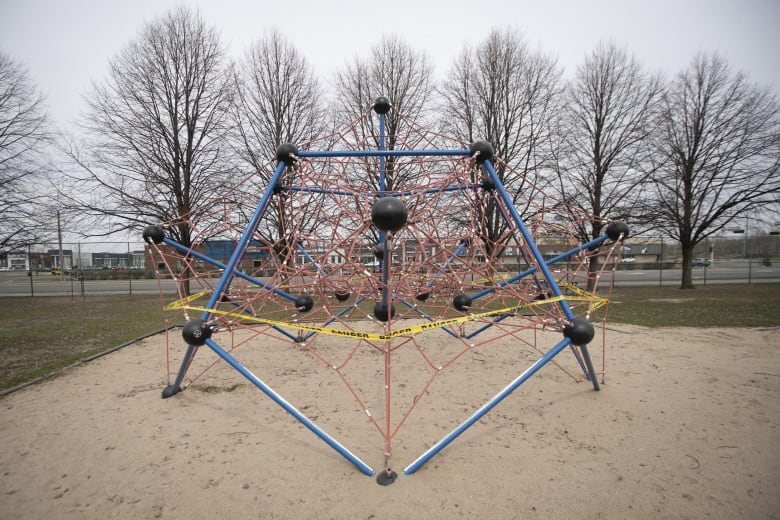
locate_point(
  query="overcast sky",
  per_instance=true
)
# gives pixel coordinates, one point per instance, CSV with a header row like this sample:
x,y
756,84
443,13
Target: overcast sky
x,y
66,44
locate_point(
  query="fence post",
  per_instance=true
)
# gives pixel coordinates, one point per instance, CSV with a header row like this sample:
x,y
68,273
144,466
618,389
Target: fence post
x,y
29,270
129,268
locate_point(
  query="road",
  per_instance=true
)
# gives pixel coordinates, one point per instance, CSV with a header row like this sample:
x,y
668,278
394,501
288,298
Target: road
x,y
17,283
726,271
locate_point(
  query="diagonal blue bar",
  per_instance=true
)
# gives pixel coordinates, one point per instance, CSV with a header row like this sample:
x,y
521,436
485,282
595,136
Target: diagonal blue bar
x,y
267,390
235,258
531,270
542,265
485,408
220,265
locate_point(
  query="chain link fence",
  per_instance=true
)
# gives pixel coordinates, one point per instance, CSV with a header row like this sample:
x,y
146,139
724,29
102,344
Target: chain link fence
x,y
78,269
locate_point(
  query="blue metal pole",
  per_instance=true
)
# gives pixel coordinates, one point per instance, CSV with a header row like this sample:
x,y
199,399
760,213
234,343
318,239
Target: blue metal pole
x,y
222,266
542,265
384,153
563,256
436,448
227,274
267,390
426,191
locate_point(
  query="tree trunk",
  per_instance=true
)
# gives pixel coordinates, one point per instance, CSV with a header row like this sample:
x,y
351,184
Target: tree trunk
x,y
687,271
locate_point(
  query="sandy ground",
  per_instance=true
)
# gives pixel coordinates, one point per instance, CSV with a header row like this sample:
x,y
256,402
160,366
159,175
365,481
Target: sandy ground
x,y
685,426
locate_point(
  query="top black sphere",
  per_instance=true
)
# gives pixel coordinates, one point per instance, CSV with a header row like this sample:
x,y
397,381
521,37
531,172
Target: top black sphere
x,y
481,151
382,105
389,214
615,229
286,153
153,234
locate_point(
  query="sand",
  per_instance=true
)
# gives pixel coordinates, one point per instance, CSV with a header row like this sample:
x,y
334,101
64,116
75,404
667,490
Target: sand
x,y
685,426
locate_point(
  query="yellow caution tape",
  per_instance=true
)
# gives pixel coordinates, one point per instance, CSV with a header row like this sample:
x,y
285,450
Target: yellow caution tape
x,y
184,304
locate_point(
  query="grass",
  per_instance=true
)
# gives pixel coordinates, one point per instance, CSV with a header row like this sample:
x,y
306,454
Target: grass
x,y
714,305
41,335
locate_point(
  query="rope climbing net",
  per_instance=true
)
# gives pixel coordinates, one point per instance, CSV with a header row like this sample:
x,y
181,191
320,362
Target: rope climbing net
x,y
435,250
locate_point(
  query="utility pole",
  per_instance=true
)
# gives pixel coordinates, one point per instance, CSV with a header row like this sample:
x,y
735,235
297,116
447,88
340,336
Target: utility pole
x,y
62,255
747,252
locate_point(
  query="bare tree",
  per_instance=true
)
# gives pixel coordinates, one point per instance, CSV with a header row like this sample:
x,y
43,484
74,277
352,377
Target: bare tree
x,y
604,159
506,94
403,76
279,100
24,135
720,146
154,133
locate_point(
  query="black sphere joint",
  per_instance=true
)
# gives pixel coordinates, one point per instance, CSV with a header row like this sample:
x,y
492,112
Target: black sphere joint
x,y
462,302
379,251
154,234
286,153
422,296
382,105
389,214
481,151
615,229
304,303
580,331
380,311
342,295
487,184
195,332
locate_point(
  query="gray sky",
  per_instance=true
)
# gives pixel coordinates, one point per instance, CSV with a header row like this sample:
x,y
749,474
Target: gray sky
x,y
68,43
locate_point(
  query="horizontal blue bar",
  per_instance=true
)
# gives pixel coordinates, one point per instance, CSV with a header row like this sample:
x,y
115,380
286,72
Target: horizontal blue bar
x,y
386,153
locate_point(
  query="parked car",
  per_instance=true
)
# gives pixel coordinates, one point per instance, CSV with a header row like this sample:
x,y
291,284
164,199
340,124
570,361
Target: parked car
x,y
628,260
701,262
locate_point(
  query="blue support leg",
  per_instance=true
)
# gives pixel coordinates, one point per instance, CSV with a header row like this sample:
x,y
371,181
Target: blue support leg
x,y
485,408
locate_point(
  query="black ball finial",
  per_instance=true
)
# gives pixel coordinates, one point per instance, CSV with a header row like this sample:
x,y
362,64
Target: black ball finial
x,y
462,302
341,295
286,153
304,303
580,331
481,151
382,105
389,214
154,234
380,311
195,332
487,184
379,251
615,229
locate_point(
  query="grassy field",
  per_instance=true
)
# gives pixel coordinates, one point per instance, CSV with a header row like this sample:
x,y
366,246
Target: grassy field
x,y
714,305
41,335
